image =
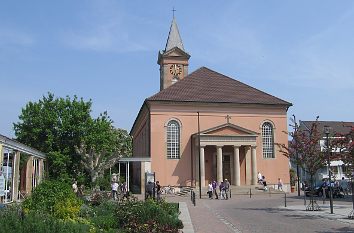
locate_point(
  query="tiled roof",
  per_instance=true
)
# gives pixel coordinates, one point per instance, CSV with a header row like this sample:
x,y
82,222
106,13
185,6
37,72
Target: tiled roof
x,y
205,85
335,126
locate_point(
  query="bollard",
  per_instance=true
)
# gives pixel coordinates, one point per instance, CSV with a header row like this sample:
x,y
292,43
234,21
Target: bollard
x,y
191,195
250,193
285,199
193,198
230,193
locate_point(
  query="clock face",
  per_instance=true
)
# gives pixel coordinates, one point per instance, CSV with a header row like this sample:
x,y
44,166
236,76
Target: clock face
x,y
175,69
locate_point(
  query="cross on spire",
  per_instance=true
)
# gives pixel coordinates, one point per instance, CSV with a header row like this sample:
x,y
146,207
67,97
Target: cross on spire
x,y
228,118
173,11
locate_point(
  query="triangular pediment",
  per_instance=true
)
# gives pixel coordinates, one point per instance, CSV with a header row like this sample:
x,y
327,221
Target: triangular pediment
x,y
228,129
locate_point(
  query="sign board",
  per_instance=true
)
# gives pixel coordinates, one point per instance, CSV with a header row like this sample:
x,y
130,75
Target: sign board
x,y
150,177
2,185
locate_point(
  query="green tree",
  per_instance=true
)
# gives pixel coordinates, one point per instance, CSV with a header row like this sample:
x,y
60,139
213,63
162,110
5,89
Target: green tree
x,y
58,126
103,147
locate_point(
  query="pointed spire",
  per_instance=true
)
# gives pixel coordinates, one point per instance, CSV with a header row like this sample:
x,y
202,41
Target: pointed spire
x,y
174,38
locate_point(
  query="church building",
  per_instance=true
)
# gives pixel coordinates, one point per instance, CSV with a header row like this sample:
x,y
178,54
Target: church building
x,y
205,117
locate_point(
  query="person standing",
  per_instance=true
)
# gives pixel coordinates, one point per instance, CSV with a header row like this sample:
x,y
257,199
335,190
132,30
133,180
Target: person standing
x,y
124,190
260,178
227,188
114,190
264,183
74,187
149,189
210,190
344,186
158,190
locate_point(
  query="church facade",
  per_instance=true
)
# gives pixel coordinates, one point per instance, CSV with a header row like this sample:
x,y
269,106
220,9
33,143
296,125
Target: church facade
x,y
208,121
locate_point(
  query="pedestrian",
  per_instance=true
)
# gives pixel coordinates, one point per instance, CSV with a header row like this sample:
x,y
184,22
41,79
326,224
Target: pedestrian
x,y
215,184
114,187
264,183
222,190
124,190
280,184
260,180
344,186
74,187
149,189
210,190
158,190
227,188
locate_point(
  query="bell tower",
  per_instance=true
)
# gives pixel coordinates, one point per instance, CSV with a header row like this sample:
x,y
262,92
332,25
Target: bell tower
x,y
173,60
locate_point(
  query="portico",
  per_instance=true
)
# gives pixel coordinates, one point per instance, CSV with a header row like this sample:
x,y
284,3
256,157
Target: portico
x,y
226,152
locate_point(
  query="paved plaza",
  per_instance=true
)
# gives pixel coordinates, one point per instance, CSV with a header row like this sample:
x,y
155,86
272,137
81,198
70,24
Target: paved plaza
x,y
263,213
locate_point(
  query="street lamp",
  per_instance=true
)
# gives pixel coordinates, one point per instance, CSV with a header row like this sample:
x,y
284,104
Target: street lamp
x,y
327,130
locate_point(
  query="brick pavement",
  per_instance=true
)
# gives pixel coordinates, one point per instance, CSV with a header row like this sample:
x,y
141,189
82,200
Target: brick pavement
x,y
264,213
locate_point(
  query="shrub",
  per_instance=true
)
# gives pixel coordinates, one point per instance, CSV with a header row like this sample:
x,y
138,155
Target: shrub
x,y
13,221
148,216
55,198
104,216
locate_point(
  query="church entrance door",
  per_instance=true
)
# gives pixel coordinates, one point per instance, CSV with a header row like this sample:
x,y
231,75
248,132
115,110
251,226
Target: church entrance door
x,y
226,173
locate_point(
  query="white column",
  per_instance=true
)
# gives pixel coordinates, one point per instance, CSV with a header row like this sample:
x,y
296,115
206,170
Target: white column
x,y
254,165
248,166
202,167
219,163
237,165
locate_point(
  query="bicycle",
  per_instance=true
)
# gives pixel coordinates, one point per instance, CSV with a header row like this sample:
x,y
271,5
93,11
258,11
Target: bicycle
x,y
168,190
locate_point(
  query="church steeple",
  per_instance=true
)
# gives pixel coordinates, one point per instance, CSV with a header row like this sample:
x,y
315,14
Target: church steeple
x,y
173,60
174,38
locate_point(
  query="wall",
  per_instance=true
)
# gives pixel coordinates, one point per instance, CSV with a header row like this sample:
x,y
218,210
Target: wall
x,y
178,171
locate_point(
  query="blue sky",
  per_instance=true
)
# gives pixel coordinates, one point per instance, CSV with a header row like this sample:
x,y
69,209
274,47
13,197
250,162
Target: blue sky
x,y
106,50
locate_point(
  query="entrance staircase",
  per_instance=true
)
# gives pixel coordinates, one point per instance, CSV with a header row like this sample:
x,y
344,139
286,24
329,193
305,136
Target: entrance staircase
x,y
242,190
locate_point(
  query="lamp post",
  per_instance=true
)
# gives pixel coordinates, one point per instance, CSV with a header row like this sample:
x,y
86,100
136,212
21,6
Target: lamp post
x,y
327,131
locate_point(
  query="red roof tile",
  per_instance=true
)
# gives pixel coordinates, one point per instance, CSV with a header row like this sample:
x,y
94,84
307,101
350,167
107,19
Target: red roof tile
x,y
208,86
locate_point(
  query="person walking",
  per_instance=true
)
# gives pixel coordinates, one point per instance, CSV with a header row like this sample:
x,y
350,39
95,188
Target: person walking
x,y
222,190
215,185
344,186
280,184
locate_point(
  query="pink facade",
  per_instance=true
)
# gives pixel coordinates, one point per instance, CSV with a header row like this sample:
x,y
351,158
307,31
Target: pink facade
x,y
184,171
